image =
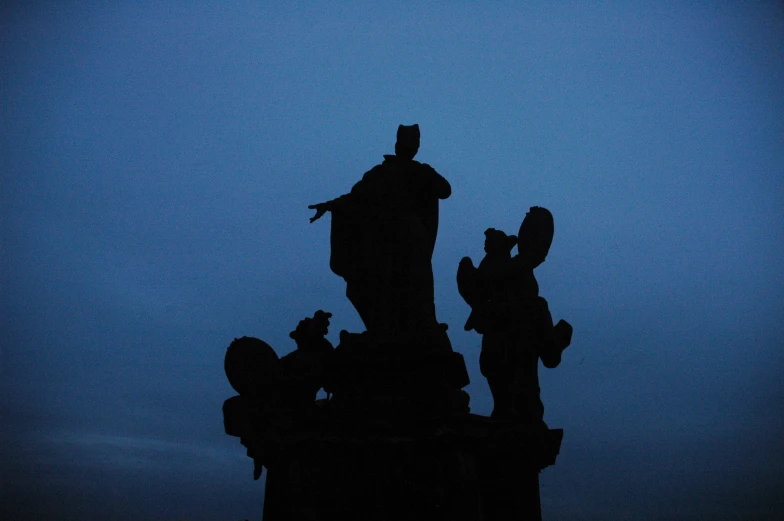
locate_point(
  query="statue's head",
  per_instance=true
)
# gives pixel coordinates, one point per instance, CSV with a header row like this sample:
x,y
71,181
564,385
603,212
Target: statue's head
x,y
310,330
536,235
407,141
497,242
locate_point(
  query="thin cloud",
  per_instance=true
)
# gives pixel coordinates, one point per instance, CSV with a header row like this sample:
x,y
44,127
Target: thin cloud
x,y
126,452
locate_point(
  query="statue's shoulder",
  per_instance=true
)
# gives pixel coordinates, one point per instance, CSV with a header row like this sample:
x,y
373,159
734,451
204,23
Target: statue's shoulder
x,y
439,185
376,169
374,173
424,171
424,167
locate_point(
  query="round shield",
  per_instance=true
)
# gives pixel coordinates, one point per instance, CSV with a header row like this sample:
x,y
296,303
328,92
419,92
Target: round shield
x,y
251,366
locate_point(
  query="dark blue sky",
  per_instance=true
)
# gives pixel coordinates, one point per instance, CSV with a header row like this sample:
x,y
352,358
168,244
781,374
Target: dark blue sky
x,y
157,164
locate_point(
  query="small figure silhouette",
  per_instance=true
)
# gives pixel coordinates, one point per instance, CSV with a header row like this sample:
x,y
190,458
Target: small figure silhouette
x,y
274,391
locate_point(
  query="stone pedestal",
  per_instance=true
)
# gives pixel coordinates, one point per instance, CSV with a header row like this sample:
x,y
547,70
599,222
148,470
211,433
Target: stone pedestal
x,y
466,468
395,442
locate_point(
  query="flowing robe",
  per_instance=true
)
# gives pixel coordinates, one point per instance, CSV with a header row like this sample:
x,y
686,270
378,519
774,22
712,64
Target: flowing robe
x,y
382,240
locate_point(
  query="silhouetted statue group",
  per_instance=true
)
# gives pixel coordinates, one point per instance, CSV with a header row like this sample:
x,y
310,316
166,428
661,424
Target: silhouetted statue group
x,y
382,239
383,235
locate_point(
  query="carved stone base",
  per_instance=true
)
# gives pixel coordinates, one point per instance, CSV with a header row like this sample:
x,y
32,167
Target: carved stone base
x,y
468,468
395,441
382,383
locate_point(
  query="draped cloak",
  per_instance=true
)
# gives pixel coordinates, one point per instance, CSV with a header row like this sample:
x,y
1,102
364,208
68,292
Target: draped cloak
x,y
382,240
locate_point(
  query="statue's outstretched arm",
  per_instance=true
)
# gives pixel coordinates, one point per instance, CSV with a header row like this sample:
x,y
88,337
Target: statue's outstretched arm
x,y
327,206
363,189
321,209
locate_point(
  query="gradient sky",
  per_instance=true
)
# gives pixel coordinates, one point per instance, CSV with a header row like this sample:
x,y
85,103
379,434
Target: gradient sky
x,y
157,163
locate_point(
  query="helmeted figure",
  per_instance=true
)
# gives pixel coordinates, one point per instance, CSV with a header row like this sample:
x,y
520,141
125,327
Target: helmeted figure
x,y
382,240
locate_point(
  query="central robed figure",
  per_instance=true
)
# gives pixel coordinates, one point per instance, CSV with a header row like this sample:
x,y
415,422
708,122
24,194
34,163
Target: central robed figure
x,y
382,240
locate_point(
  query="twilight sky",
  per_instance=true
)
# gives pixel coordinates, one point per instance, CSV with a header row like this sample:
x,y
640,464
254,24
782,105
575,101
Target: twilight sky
x,y
157,162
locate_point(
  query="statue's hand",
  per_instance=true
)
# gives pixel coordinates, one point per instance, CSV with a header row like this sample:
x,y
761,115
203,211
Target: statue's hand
x,y
562,334
321,209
